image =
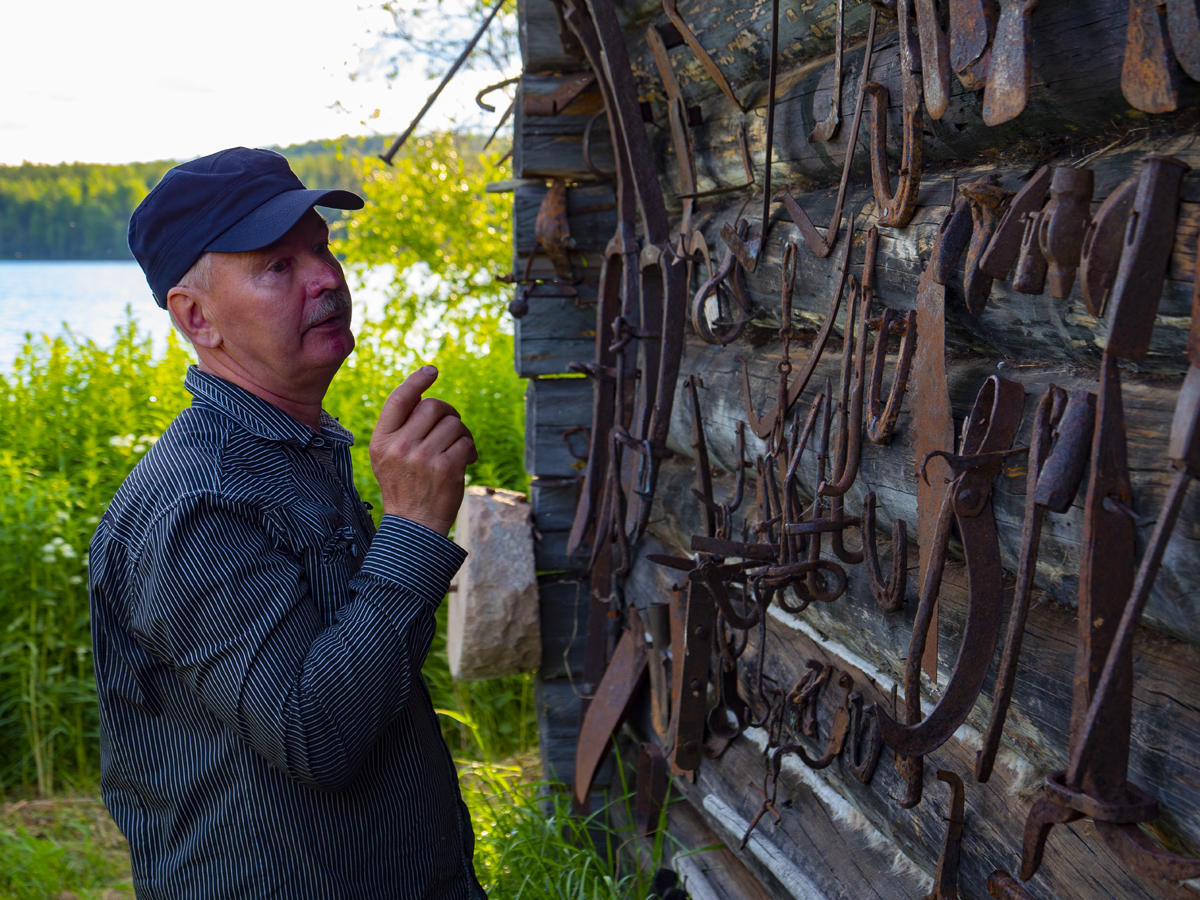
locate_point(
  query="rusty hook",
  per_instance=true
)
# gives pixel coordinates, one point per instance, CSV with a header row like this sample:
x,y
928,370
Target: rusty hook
x,y
889,594
881,417
896,209
945,883
837,733
862,761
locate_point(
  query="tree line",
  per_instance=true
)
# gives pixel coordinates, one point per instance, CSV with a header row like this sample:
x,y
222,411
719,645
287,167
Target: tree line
x,y
81,210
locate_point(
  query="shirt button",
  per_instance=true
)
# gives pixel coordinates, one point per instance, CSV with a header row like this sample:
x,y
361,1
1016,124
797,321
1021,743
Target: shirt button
x,y
318,441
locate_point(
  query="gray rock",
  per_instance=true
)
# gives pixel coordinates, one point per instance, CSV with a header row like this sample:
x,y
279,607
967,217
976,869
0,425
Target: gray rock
x,y
493,628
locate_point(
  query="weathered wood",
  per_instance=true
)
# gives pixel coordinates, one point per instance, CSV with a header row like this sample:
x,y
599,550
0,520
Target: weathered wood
x,y
563,602
553,406
558,727
541,46
553,502
591,215
1075,100
1174,607
552,146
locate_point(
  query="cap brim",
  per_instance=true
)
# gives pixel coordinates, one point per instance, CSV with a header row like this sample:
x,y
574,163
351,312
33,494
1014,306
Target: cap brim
x,y
271,221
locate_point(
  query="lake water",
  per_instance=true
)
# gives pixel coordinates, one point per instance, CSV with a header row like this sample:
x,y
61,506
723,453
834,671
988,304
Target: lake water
x,y
90,298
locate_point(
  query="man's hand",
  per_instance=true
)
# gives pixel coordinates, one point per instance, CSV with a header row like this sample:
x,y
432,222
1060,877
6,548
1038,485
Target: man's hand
x,y
420,452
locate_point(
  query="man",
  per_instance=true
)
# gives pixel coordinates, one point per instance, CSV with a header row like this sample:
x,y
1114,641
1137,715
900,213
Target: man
x,y
265,731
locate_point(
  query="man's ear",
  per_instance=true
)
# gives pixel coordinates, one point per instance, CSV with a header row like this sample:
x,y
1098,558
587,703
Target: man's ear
x,y
187,307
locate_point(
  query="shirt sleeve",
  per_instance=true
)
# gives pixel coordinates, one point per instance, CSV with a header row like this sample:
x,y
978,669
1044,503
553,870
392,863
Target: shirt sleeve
x,y
226,605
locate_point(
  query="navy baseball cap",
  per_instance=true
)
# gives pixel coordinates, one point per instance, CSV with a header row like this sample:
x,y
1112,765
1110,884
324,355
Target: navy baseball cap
x,y
229,202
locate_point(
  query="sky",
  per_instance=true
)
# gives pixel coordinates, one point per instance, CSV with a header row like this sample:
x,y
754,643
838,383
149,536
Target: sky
x,y
135,80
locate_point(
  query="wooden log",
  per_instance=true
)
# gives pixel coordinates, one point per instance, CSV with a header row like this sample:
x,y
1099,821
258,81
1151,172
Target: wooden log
x,y
552,146
591,215
1075,99
554,406
563,604
541,46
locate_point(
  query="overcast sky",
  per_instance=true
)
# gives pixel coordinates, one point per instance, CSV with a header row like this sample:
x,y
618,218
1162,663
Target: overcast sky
x,y
132,80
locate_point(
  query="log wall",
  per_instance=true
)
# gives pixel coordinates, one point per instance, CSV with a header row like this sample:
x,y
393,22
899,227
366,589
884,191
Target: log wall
x,y
837,837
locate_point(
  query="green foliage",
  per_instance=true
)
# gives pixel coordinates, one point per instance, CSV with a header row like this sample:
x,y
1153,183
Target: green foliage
x,y
430,219
530,845
75,418
81,210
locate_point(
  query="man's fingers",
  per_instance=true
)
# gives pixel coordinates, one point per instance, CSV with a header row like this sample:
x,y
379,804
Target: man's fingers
x,y
404,399
448,430
428,415
463,451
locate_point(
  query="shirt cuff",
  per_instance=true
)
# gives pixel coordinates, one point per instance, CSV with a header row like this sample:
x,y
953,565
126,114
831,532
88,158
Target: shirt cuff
x,y
414,557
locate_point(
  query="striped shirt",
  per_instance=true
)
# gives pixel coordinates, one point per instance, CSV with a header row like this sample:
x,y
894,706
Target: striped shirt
x,y
265,730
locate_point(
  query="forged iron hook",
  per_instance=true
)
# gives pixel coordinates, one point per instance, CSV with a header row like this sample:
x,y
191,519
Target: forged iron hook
x,y
862,762
889,594
837,733
731,271
945,883
896,209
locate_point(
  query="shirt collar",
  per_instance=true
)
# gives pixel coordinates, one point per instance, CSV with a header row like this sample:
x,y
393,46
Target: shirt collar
x,y
258,416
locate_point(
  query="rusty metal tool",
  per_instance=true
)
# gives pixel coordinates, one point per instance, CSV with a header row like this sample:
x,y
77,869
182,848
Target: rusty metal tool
x,y
889,593
1148,242
656,620
988,435
933,424
945,882
881,417
1099,788
1051,483
1149,79
748,252
671,8
862,760
1007,90
663,287
712,329
1030,277
934,61
896,209
608,709
1183,23
677,116
1092,747
617,292
765,424
972,23
650,793
823,246
828,127
1003,886
699,620
987,205
552,104
1101,253
853,386
953,235
1111,601
1002,249
553,231
837,733
1063,226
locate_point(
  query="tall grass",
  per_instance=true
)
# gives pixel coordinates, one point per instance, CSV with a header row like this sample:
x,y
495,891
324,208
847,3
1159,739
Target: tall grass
x,y
75,417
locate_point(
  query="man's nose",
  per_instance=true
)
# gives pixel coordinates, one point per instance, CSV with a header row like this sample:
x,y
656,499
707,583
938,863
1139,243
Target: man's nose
x,y
322,275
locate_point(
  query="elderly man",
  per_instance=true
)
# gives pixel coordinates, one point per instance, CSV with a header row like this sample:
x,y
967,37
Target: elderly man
x,y
258,644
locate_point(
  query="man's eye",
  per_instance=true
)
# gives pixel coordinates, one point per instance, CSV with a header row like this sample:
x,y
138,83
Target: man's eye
x,y
278,266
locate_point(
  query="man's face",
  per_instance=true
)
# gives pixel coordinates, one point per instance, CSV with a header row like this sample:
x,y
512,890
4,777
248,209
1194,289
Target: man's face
x,y
284,311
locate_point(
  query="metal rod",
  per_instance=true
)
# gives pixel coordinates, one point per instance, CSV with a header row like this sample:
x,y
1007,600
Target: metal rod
x,y
462,58
774,71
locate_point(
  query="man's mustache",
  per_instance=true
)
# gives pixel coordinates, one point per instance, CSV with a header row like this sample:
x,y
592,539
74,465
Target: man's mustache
x,y
329,303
